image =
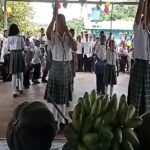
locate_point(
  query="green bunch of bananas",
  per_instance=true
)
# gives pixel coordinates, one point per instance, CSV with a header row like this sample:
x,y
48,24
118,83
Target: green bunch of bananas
x,y
102,124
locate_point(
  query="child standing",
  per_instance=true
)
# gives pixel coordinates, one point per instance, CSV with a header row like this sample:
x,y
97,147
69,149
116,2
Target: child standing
x,y
110,77
28,59
16,46
36,62
87,54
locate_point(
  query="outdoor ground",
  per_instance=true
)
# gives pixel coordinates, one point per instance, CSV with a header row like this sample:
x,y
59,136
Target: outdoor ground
x,y
83,82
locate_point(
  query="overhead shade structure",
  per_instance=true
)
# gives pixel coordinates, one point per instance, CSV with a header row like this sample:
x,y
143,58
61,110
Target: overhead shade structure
x,y
126,2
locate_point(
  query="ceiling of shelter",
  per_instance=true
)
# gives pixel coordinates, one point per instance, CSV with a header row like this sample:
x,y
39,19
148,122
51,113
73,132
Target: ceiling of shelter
x,y
128,2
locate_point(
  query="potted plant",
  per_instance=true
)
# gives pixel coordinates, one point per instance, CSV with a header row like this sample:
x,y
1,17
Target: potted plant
x,y
98,123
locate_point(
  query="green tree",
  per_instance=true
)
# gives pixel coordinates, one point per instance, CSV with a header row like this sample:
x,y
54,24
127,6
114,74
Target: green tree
x,y
22,13
77,24
120,12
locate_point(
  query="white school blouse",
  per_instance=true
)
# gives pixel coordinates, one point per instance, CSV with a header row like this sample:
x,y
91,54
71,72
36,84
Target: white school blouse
x,y
100,51
15,43
4,49
141,42
87,49
79,48
111,57
60,48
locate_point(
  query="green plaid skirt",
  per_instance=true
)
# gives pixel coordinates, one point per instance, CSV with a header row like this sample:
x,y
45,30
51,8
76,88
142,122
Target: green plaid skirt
x,y
139,86
17,63
59,86
110,77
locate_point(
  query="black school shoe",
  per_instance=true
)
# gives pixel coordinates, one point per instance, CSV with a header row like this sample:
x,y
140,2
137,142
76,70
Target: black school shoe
x,y
14,95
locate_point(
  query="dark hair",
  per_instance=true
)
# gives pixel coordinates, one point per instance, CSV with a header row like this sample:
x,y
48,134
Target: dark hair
x,y
102,32
13,30
32,127
72,31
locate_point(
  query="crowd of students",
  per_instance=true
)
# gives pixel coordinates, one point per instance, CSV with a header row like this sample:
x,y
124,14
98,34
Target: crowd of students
x,y
90,50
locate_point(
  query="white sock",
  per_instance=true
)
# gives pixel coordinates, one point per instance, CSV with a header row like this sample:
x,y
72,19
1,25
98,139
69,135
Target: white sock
x,y
14,81
20,81
63,110
55,113
111,90
106,89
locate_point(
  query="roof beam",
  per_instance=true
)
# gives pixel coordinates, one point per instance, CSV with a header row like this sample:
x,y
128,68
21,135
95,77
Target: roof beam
x,y
77,2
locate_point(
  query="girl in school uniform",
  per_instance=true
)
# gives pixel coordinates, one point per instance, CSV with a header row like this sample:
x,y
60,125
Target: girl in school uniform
x,y
110,77
16,46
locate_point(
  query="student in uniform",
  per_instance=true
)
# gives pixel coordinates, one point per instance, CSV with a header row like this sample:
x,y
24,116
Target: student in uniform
x,y
59,86
139,84
100,51
110,77
28,65
87,54
5,58
36,62
17,65
80,54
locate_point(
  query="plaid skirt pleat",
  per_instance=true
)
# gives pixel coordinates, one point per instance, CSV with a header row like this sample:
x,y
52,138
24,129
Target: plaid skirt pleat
x,y
17,63
59,86
110,77
139,86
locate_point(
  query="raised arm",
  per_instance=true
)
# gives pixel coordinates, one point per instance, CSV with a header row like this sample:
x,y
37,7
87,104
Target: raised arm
x,y
140,10
51,26
72,42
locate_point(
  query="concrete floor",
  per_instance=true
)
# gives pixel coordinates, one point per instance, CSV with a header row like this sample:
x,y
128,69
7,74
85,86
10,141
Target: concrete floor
x,y
83,82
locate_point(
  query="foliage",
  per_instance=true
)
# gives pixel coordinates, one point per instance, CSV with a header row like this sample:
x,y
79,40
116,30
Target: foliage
x,y
22,13
77,24
120,12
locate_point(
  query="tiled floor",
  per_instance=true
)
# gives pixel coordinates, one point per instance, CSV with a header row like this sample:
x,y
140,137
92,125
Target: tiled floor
x,y
83,82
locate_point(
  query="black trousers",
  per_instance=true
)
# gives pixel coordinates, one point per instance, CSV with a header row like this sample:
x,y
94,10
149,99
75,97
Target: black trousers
x,y
123,63
37,72
87,64
100,83
80,62
27,75
45,71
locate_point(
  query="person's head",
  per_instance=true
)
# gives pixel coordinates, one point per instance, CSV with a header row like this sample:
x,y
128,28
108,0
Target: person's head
x,y
61,23
82,34
37,43
111,45
42,31
72,32
5,33
101,33
79,39
13,30
86,37
103,39
124,45
32,127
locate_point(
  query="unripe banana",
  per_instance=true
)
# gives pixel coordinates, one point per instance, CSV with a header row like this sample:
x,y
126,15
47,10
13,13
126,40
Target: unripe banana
x,y
118,135
93,97
131,111
134,122
130,136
